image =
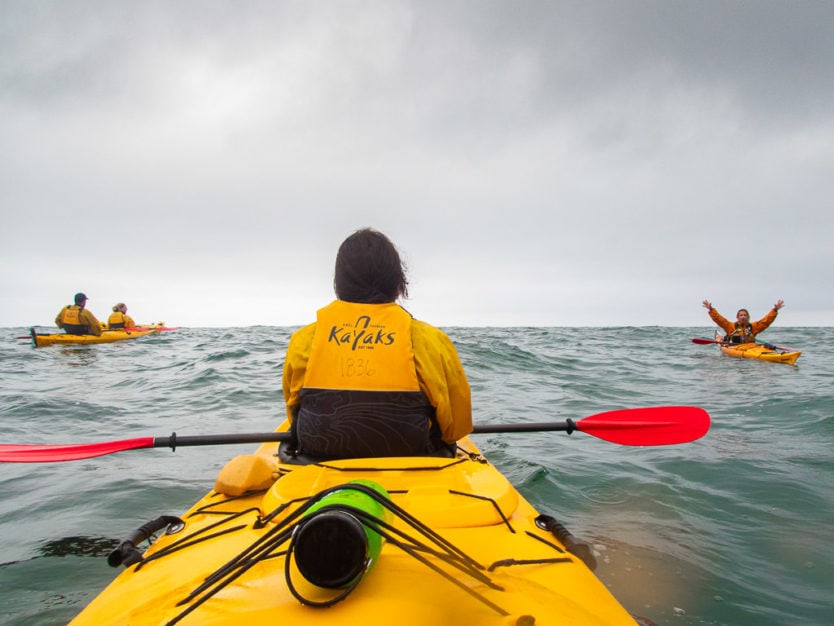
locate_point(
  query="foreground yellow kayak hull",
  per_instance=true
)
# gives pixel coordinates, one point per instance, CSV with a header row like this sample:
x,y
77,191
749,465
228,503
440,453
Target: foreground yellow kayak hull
x,y
107,336
501,567
760,352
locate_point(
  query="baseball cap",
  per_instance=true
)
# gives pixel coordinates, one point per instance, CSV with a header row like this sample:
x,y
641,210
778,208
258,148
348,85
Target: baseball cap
x,y
80,297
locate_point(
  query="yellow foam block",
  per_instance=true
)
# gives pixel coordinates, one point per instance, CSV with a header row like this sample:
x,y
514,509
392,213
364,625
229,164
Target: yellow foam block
x,y
247,472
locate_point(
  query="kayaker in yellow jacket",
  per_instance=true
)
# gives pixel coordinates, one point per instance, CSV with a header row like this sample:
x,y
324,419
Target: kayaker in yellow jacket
x,y
75,319
742,331
119,318
366,379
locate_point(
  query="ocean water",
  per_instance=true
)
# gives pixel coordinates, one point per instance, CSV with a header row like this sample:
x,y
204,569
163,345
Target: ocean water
x,y
736,528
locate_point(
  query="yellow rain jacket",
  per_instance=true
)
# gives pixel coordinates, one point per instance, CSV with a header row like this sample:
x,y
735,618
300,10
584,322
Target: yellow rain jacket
x,y
77,321
379,348
119,320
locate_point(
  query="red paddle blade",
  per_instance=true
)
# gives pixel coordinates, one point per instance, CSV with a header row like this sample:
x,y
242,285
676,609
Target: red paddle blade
x,y
703,342
653,426
34,453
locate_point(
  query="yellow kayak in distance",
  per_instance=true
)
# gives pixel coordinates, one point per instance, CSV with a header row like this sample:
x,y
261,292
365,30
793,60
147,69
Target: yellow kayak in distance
x,y
411,541
107,336
762,352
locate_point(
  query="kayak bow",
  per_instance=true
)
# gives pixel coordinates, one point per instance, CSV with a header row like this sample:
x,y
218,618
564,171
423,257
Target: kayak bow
x,y
415,540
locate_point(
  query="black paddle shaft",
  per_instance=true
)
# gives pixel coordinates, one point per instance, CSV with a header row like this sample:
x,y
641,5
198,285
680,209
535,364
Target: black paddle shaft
x,y
207,440
568,425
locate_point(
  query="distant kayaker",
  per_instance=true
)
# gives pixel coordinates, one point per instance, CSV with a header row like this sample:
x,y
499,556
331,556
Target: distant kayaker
x,y
119,318
742,331
368,380
75,319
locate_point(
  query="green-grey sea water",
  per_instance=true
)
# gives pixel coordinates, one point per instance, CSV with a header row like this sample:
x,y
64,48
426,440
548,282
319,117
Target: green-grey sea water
x,y
734,529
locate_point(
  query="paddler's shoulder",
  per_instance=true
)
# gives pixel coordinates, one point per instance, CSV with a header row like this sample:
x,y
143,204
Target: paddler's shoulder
x,y
424,333
305,333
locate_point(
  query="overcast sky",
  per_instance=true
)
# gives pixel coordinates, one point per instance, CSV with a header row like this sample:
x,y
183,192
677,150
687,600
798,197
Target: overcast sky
x,y
537,163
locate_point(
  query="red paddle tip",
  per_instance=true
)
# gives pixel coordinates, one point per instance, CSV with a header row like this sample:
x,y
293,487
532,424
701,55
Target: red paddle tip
x,y
652,426
50,453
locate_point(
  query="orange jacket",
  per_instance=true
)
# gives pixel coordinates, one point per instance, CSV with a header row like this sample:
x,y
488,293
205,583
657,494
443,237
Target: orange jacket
x,y
756,327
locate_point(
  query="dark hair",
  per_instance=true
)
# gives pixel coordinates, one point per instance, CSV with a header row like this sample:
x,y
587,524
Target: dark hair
x,y
369,269
745,310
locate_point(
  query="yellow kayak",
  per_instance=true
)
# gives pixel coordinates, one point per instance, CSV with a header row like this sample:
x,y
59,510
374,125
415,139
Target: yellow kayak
x,y
379,541
763,352
107,336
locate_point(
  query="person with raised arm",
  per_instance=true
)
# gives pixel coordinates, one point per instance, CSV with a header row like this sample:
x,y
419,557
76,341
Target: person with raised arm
x,y
742,330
